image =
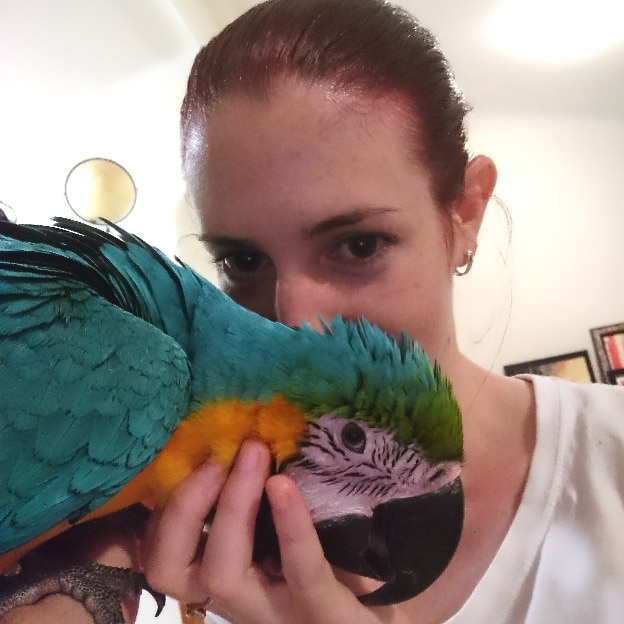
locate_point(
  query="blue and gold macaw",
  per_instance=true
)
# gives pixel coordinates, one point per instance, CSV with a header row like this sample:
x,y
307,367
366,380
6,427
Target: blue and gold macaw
x,y
121,371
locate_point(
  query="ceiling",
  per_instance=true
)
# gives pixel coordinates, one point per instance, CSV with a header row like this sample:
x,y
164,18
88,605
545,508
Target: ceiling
x,y
74,47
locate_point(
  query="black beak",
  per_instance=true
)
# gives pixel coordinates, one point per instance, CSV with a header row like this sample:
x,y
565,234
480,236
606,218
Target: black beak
x,y
407,543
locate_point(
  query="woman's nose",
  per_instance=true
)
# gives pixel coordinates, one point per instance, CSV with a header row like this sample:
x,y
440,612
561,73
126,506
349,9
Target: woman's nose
x,y
301,299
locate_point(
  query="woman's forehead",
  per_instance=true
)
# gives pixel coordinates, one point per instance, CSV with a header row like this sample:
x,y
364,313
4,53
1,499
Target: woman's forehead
x,y
293,105
296,124
311,151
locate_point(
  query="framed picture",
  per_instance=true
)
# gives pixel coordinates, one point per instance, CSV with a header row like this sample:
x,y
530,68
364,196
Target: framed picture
x,y
609,347
616,377
574,366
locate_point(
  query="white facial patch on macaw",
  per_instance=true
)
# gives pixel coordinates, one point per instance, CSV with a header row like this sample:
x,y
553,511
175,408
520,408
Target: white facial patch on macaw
x,y
348,467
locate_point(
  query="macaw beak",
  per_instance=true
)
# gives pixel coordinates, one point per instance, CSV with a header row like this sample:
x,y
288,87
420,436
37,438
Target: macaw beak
x,y
407,543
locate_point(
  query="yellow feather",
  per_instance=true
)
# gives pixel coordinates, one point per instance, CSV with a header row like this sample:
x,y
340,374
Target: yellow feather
x,y
217,430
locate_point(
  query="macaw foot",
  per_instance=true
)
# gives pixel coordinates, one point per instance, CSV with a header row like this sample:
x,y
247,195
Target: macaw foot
x,y
97,587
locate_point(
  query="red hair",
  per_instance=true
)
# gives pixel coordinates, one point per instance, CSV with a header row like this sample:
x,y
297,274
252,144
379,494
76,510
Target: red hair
x,y
362,46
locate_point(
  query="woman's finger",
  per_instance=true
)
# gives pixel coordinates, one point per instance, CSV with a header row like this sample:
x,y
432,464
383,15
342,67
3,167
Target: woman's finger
x,y
309,577
174,533
228,554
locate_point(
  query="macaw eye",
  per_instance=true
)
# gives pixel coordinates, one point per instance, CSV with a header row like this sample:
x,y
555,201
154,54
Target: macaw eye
x,y
353,437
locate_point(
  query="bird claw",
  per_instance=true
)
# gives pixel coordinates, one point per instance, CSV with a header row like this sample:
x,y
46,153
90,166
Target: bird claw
x,y
97,587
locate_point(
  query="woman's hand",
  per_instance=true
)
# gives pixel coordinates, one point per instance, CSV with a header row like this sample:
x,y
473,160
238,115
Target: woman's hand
x,y
222,572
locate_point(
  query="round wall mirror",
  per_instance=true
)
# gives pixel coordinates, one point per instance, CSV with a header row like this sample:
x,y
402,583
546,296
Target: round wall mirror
x,y
99,188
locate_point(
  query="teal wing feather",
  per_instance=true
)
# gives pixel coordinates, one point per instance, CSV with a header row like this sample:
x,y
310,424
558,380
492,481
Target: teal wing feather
x,y
89,392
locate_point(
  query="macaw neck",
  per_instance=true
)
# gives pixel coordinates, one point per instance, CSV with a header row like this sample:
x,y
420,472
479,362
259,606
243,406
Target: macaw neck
x,y
233,351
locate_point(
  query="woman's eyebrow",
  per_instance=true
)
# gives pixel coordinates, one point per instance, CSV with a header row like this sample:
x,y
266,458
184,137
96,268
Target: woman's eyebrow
x,y
225,241
217,245
345,219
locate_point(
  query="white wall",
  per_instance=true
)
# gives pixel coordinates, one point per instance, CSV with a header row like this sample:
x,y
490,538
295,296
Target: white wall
x,y
560,179
44,135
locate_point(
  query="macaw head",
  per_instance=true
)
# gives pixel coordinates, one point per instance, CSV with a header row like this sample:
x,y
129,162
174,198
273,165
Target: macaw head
x,y
379,466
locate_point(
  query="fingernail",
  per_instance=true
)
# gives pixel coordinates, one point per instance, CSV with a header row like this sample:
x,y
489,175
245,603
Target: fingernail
x,y
250,457
279,496
211,468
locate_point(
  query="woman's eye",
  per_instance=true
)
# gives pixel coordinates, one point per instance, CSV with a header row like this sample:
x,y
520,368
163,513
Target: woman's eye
x,y
363,246
242,264
353,437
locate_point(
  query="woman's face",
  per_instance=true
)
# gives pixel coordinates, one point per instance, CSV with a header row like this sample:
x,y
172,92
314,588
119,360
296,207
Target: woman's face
x,y
312,206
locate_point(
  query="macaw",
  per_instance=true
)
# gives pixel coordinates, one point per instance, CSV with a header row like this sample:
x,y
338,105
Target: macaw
x,y
121,371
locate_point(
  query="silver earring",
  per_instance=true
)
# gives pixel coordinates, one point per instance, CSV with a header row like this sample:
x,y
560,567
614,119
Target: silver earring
x,y
469,256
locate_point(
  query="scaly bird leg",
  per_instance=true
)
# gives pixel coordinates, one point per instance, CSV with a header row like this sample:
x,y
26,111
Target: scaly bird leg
x,y
64,565
97,587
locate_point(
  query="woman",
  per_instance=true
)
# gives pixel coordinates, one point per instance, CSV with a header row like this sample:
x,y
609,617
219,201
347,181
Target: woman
x,y
324,150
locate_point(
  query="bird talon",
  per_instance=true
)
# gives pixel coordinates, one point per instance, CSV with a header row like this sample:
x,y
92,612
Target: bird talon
x,y
97,587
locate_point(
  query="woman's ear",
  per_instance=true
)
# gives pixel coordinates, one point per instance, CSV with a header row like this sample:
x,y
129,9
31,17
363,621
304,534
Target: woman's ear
x,y
469,211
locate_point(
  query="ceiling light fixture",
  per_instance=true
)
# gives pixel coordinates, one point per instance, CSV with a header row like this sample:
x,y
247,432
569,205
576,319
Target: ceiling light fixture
x,y
557,30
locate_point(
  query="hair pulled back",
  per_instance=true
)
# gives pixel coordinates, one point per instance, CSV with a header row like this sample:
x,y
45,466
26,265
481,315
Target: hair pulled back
x,y
360,46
